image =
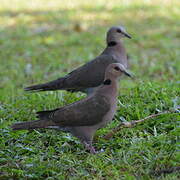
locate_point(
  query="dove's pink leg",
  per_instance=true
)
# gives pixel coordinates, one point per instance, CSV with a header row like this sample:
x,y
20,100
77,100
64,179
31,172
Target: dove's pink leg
x,y
90,147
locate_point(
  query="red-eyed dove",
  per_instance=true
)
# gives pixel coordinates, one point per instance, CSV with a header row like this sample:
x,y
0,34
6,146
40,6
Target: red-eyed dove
x,y
91,75
83,118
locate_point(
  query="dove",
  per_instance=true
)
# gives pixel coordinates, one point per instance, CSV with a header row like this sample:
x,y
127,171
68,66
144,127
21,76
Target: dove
x,y
84,117
90,75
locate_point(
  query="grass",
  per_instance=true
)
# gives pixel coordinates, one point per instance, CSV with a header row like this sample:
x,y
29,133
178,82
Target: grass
x,y
42,40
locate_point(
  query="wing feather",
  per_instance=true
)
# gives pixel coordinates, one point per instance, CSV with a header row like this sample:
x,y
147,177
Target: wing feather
x,y
85,112
90,74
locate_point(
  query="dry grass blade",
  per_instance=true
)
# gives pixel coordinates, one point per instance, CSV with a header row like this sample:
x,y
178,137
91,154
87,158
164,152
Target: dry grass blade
x,y
134,122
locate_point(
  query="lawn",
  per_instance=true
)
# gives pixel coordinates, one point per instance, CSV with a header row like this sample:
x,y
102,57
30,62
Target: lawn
x,y
43,40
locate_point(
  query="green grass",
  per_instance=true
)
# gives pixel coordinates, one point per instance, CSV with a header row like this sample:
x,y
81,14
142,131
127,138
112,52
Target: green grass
x,y
39,42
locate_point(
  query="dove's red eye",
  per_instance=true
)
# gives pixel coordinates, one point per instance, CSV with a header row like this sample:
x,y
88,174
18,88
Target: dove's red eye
x,y
119,31
117,68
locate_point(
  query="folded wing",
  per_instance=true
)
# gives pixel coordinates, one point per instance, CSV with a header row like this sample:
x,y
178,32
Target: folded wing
x,y
86,112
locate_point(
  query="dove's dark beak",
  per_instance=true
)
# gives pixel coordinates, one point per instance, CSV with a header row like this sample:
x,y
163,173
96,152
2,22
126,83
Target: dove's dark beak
x,y
127,73
127,35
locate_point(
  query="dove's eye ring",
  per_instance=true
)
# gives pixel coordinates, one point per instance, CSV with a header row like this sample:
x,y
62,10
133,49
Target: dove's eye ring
x,y
119,31
117,68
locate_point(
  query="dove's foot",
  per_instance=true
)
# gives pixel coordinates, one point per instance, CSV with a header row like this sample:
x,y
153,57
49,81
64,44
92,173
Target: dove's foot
x,y
90,148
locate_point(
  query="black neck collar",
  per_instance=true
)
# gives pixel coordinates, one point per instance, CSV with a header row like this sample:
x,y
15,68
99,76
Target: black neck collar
x,y
107,82
112,43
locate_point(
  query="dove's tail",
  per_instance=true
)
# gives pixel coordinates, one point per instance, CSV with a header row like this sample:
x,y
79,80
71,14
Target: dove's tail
x,y
50,86
29,125
43,122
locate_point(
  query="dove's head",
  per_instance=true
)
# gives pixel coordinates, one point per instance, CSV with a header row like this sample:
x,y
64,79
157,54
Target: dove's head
x,y
115,70
115,33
